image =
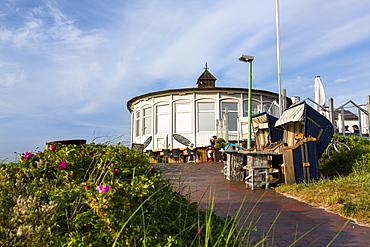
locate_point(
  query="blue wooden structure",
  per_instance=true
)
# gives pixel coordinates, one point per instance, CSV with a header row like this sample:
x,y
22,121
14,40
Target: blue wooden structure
x,y
301,155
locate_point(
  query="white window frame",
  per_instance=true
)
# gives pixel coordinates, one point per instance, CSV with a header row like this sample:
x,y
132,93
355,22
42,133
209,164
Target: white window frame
x,y
210,118
255,108
163,119
183,117
137,124
147,117
235,112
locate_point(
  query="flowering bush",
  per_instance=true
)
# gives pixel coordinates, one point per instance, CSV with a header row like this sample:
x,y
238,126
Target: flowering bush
x,y
97,195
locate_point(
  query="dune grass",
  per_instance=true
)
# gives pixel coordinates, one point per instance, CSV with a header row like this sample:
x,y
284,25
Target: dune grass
x,y
345,190
348,196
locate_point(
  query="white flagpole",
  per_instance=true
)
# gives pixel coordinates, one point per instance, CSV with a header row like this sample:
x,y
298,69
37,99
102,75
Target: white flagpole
x,y
278,57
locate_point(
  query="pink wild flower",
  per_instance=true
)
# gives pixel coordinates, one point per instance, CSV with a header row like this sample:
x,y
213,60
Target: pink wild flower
x,y
103,188
62,165
116,171
52,148
198,232
28,155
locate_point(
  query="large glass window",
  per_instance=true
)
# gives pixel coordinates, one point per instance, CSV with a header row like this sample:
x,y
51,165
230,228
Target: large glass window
x,y
183,118
245,109
233,114
163,119
274,110
137,123
147,128
206,116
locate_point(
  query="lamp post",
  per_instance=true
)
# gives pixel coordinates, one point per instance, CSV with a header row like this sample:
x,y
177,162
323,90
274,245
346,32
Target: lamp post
x,y
249,59
278,58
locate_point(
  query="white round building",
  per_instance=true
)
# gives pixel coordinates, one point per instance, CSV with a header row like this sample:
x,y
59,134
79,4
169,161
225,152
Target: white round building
x,y
195,113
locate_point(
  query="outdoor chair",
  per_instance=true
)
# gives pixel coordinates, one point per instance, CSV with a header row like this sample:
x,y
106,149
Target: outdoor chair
x,y
166,155
176,154
153,156
192,155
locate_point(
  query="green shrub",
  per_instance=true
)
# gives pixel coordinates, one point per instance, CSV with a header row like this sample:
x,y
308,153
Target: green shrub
x,y
220,143
343,164
362,164
96,195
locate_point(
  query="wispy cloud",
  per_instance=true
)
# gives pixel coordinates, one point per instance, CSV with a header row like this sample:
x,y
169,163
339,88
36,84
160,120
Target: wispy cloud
x,y
45,26
69,67
10,75
340,80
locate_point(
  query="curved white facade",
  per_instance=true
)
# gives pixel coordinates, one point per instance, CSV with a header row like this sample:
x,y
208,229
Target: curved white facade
x,y
194,113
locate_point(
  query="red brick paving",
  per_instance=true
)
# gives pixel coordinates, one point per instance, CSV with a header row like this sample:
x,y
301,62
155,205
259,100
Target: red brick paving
x,y
293,218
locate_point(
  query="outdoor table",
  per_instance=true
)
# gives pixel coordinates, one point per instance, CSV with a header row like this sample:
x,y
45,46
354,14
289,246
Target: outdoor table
x,y
258,158
233,168
239,161
258,166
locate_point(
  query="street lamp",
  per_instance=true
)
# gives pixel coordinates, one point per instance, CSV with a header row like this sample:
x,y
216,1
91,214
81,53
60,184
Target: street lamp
x,y
278,58
249,59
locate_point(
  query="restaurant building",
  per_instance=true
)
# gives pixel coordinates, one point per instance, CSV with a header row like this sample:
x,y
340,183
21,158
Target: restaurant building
x,y
196,113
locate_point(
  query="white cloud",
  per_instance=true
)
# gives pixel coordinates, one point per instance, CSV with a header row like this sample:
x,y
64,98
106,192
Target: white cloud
x,y
80,61
45,27
340,37
10,75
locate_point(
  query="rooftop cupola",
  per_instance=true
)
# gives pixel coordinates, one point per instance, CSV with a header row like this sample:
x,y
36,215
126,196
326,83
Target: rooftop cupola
x,y
206,79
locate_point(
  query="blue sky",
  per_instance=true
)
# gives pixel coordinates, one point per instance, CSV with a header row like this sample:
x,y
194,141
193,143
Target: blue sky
x,y
67,68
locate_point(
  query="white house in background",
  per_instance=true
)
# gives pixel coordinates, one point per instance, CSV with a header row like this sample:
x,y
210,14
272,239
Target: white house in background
x,y
349,119
194,112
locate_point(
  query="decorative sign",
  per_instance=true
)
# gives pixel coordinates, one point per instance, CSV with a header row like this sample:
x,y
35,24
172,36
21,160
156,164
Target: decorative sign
x,y
137,146
244,128
161,143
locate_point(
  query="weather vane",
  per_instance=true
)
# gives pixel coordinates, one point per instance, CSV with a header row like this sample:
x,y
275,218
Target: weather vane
x,y
206,68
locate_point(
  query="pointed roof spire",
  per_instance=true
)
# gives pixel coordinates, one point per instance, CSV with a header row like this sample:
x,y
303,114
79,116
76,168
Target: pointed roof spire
x,y
206,79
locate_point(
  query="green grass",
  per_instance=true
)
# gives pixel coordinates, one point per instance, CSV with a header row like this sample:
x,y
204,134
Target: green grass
x,y
346,188
348,196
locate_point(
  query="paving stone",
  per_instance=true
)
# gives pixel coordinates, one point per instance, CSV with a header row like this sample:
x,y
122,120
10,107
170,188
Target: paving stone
x,y
291,218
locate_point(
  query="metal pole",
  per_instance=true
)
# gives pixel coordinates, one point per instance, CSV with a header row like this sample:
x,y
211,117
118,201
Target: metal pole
x,y
331,111
278,56
249,143
226,137
238,128
359,122
217,122
342,119
249,59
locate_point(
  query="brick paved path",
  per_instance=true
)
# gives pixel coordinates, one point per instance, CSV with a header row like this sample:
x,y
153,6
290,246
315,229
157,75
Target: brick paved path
x,y
295,218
